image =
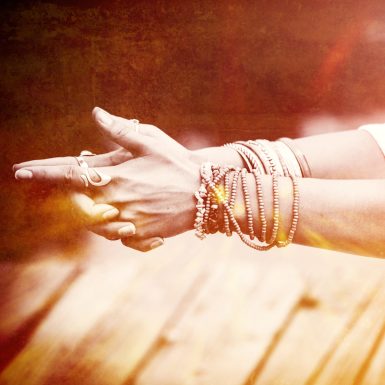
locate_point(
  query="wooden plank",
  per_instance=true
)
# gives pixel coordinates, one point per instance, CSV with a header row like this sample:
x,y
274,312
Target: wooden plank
x,y
25,288
228,328
339,287
110,317
353,352
375,371
28,291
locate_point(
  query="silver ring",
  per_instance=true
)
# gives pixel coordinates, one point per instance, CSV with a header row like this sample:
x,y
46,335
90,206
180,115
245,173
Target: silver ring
x,y
86,177
136,124
87,153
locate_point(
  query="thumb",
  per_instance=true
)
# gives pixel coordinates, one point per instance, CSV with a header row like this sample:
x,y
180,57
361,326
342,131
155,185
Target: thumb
x,y
123,133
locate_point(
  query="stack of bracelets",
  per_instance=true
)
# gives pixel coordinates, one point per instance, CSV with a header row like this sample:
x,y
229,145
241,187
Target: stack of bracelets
x,y
216,195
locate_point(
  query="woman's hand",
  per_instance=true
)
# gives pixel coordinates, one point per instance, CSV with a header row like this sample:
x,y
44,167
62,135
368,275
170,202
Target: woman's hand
x,y
120,154
154,191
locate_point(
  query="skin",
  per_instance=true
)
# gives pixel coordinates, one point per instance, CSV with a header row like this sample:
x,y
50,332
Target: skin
x,y
159,199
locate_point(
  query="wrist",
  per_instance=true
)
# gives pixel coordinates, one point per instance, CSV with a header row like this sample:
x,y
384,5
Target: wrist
x,y
222,156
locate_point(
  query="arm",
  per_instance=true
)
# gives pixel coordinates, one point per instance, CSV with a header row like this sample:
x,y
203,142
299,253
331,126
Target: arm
x,y
340,155
343,215
341,203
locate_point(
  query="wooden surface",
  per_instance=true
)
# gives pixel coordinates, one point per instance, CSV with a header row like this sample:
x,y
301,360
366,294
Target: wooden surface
x,y
193,313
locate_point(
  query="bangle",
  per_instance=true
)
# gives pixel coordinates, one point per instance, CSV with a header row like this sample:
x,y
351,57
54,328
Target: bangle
x,y
300,156
241,153
288,158
251,155
255,148
281,159
272,154
295,216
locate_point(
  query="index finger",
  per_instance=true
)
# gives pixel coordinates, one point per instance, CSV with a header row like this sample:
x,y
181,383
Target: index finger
x,y
100,160
68,175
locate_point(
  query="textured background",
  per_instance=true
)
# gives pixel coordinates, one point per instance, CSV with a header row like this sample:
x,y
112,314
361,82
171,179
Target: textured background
x,y
206,72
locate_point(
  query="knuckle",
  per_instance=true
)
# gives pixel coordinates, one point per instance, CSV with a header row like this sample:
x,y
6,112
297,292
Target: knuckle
x,y
69,173
118,129
151,128
113,158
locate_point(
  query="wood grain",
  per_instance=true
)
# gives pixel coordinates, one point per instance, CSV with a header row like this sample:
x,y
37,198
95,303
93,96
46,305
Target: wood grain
x,y
226,331
339,288
109,318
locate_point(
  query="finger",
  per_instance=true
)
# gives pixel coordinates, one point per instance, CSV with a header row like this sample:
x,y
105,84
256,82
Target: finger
x,y
143,244
67,160
153,132
69,176
123,133
113,230
147,130
91,212
108,159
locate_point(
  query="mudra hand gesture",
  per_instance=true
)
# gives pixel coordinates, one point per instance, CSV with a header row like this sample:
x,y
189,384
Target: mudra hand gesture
x,y
144,188
310,190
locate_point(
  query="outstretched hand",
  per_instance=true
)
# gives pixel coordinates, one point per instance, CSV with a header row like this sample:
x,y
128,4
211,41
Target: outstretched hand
x,y
153,179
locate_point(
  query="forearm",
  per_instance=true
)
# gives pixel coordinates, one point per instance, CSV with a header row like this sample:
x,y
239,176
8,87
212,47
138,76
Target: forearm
x,y
343,155
345,215
340,155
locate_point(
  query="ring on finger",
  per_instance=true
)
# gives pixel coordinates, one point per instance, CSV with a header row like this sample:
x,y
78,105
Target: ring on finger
x,y
86,177
86,153
135,122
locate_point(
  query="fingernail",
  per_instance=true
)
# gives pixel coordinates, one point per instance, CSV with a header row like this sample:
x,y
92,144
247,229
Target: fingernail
x,y
110,214
103,117
156,243
128,230
23,174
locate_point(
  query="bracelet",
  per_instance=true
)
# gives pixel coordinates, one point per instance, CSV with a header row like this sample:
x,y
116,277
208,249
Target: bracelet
x,y
269,149
217,195
261,206
295,217
251,155
249,212
241,152
288,158
300,156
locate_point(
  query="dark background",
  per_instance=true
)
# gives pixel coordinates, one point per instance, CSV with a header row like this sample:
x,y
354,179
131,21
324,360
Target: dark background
x,y
206,72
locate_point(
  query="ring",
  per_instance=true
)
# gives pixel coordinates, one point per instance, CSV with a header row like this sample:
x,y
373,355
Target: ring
x,y
86,177
136,123
87,153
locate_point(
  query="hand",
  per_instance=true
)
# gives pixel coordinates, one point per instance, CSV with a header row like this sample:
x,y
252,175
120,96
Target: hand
x,y
158,199
121,154
84,205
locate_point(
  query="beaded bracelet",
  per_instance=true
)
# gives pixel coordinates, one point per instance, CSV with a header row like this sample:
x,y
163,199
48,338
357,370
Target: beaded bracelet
x,y
211,197
246,196
287,159
250,154
261,206
247,160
